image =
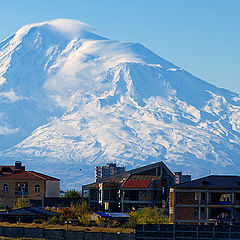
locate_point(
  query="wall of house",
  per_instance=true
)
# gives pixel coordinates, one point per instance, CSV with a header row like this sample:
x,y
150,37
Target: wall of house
x,y
52,188
186,213
31,189
9,198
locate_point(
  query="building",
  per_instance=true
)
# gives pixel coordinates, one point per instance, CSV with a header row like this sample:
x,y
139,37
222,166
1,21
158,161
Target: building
x,y
130,190
109,170
180,178
30,186
206,200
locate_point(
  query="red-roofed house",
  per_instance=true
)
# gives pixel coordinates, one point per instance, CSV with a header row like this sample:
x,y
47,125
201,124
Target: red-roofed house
x,y
28,185
137,188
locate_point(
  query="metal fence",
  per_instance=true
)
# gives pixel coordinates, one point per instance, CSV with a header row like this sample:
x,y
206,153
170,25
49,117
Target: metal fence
x,y
190,232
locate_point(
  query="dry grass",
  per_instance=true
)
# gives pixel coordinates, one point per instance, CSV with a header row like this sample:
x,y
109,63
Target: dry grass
x,y
72,228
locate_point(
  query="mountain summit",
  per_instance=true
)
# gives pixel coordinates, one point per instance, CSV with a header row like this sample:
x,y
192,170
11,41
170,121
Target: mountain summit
x,y
71,99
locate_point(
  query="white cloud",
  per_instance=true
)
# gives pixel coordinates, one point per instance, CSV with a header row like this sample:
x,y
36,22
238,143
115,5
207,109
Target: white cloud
x,y
69,26
6,131
10,96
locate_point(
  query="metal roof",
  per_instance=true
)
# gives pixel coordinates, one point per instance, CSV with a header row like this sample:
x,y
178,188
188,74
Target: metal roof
x,y
112,215
29,211
213,181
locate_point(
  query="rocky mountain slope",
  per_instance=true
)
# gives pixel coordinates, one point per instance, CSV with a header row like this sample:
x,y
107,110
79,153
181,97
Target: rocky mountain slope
x,y
71,99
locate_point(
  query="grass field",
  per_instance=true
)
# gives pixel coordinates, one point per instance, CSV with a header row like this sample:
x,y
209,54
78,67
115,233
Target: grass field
x,y
72,228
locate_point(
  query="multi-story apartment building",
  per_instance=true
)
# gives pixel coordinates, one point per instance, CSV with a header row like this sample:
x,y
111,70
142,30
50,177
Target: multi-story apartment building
x,y
109,170
137,188
210,199
15,183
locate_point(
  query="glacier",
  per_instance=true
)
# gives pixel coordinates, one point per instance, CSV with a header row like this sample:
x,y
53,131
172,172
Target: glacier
x,y
71,99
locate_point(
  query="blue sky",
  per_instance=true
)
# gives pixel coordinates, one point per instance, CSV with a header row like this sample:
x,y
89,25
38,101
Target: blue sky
x,y
201,36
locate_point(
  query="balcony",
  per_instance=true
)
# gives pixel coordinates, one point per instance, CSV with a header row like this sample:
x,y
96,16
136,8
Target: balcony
x,y
21,193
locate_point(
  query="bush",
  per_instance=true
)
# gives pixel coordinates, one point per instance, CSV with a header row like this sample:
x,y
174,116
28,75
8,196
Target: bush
x,y
147,216
53,220
85,220
20,204
105,222
80,212
38,221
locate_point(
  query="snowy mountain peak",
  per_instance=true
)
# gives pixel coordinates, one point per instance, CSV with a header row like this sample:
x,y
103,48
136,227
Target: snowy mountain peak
x,y
72,99
66,27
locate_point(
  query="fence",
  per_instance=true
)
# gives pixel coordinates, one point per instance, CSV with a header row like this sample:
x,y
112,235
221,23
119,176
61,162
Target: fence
x,y
184,232
60,234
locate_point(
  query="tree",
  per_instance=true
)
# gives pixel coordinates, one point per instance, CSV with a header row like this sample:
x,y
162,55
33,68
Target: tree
x,y
73,194
83,213
147,216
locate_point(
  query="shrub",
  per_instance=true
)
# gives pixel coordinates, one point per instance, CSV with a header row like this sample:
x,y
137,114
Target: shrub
x,y
20,204
147,216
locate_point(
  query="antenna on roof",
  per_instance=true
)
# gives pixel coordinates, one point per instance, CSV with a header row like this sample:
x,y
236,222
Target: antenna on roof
x,y
209,172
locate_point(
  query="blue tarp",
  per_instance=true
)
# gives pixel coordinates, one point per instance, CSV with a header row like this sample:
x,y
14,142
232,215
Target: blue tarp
x,y
112,215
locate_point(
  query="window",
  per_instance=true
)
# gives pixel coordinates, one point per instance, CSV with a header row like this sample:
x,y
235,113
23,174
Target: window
x,y
196,210
5,187
37,188
22,187
203,196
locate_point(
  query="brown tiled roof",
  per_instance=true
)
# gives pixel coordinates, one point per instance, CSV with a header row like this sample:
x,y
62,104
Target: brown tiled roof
x,y
28,175
134,183
7,170
44,176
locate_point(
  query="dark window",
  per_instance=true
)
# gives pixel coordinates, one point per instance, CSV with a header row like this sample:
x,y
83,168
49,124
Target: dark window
x,y
22,187
196,211
37,188
203,196
5,187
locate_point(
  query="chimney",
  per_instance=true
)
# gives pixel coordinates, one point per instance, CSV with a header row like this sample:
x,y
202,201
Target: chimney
x,y
18,165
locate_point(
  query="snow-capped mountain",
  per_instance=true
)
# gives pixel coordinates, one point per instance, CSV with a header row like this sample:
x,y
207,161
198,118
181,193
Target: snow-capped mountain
x,y
71,99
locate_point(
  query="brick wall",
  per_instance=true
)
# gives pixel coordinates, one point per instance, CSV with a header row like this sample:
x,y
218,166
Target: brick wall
x,y
185,198
185,213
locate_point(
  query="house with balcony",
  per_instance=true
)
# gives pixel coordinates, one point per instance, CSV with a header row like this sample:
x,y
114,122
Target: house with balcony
x,y
212,199
30,186
147,186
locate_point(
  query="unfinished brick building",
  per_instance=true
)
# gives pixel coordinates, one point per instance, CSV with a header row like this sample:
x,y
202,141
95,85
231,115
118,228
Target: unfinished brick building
x,y
137,188
211,199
